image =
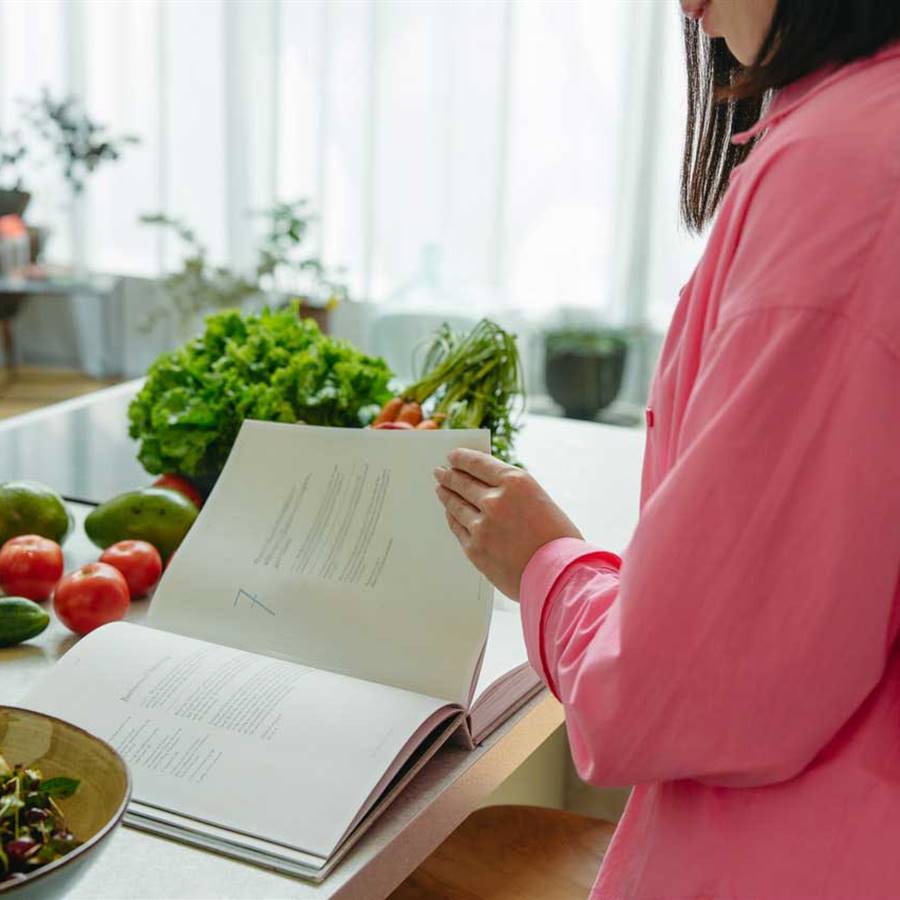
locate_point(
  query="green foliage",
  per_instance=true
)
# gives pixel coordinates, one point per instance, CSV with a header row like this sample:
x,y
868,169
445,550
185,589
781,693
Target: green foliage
x,y
200,287
602,341
80,143
59,787
282,253
12,153
476,381
272,366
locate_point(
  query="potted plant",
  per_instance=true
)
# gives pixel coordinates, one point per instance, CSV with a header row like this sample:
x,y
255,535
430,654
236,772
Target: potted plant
x,y
79,143
284,264
583,368
198,287
284,269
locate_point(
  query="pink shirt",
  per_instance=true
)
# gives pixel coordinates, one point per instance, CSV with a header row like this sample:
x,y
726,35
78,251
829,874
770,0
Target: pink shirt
x,y
739,663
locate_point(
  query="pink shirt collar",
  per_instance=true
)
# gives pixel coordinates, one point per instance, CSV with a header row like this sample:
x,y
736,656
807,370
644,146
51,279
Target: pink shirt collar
x,y
788,98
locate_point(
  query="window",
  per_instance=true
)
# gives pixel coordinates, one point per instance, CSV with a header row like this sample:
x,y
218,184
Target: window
x,y
481,153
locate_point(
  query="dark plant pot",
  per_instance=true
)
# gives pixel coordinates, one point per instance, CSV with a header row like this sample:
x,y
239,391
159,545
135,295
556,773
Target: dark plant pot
x,y
583,382
14,203
321,315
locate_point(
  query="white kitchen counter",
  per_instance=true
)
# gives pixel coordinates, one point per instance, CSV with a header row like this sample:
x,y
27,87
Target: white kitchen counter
x,y
592,470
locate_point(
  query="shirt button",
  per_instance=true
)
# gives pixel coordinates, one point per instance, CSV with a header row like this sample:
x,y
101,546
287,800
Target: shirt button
x,y
648,415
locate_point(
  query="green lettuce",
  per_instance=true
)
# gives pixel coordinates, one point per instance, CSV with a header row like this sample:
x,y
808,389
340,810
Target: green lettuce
x,y
272,366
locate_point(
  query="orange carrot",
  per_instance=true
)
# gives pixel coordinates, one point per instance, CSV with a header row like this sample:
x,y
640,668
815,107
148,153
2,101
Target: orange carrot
x,y
427,425
394,426
411,412
389,411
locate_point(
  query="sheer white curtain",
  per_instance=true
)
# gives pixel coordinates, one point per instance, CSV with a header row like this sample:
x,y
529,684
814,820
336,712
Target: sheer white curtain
x,y
517,154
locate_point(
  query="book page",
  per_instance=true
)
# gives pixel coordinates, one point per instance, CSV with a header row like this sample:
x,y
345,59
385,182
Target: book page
x,y
505,651
328,546
263,746
506,680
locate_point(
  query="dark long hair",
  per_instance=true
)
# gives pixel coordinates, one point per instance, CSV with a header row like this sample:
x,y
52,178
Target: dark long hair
x,y
725,97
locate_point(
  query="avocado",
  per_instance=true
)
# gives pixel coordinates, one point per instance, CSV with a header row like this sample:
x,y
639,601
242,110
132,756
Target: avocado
x,y
160,516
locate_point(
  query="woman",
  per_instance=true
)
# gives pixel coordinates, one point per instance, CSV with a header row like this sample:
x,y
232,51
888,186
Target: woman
x,y
738,664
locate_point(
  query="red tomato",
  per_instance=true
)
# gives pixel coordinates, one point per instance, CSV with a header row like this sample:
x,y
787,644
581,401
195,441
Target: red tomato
x,y
90,597
138,561
30,566
182,485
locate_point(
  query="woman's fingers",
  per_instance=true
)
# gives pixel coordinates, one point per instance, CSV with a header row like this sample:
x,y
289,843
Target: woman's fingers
x,y
469,488
460,533
479,465
461,510
500,526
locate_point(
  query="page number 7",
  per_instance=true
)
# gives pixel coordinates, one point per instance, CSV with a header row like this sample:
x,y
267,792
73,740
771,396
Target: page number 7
x,y
246,595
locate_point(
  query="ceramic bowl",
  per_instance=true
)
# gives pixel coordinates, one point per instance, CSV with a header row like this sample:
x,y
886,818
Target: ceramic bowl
x,y
92,812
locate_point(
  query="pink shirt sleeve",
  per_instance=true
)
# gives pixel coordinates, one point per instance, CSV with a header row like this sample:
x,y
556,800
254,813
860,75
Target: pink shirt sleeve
x,y
753,610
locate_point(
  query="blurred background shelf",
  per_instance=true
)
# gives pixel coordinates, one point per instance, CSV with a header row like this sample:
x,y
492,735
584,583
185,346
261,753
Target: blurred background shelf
x,y
17,293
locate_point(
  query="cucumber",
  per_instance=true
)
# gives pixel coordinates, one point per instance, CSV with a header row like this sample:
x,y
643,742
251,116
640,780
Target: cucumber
x,y
20,619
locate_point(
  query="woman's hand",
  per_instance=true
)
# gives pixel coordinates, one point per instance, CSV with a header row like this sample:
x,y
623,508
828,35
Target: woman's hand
x,y
499,514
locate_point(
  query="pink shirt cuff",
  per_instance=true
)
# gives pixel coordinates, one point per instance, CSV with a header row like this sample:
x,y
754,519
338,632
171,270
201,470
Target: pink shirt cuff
x,y
540,581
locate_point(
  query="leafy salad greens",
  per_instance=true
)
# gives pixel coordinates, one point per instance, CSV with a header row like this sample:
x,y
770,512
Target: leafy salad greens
x,y
33,830
272,366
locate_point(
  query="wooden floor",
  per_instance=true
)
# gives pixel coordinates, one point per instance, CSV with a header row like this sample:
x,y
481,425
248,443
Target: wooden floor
x,y
31,387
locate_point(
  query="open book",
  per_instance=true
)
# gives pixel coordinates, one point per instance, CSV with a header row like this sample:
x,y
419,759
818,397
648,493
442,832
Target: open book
x,y
315,639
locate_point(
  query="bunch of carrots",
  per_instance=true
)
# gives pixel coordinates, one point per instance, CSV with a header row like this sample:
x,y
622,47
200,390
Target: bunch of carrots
x,y
468,381
399,413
